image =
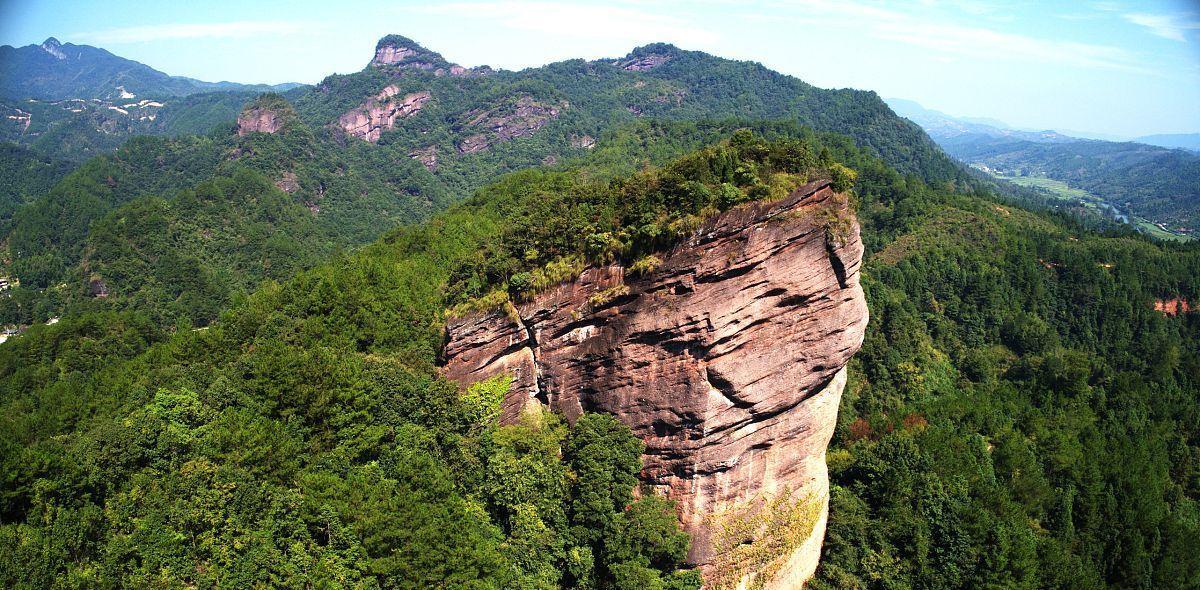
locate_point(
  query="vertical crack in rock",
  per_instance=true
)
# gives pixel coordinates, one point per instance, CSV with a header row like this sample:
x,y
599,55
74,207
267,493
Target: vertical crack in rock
x,y
728,361
835,261
540,393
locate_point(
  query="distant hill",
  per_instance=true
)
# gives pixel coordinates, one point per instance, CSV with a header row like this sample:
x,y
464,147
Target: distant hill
x,y
939,125
1187,141
61,71
73,102
1157,183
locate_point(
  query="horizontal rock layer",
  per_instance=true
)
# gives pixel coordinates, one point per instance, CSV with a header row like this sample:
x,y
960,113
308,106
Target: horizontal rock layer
x,y
727,360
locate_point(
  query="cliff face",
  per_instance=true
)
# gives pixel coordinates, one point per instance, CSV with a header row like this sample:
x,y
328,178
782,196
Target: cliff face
x,y
518,116
379,113
728,360
263,120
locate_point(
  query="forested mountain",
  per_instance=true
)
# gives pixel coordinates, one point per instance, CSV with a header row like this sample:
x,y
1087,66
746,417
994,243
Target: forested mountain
x,y
27,175
76,101
1140,177
57,71
1020,416
233,372
1157,183
398,141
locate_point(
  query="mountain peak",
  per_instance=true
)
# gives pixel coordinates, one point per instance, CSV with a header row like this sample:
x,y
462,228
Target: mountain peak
x,y
398,49
53,47
648,57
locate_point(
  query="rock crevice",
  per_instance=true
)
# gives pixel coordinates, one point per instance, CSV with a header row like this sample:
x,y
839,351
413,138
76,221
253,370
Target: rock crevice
x,y
728,361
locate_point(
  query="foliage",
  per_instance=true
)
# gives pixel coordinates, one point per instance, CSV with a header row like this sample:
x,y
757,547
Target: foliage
x,y
1019,416
1153,182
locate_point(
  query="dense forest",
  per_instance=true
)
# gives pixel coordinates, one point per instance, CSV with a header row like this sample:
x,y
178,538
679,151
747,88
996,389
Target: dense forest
x,y
60,241
1153,182
240,386
1019,416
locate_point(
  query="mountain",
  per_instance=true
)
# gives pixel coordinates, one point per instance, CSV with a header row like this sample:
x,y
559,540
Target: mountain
x,y
582,326
76,101
1159,186
55,71
1187,141
410,134
1018,391
941,126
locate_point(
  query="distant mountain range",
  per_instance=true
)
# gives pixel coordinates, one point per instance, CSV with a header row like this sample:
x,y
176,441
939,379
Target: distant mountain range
x,y
75,101
61,71
940,125
1187,141
1155,177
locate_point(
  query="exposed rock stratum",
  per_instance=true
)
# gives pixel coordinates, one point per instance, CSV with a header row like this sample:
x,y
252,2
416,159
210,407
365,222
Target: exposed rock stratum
x,y
728,360
262,120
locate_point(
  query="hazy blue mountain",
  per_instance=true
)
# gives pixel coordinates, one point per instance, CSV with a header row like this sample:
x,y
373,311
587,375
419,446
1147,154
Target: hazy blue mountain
x,y
76,101
1187,141
61,71
939,125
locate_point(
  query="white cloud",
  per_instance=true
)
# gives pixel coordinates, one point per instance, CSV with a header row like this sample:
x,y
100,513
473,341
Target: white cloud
x,y
582,21
1166,26
953,39
162,32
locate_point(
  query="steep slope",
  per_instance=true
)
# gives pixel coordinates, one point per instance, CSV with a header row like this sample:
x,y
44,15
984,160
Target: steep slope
x,y
331,376
27,175
481,120
728,360
414,132
1017,394
311,198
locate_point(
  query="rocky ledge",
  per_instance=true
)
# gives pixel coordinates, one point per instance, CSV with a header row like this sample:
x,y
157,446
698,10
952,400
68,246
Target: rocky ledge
x,y
518,116
370,119
728,360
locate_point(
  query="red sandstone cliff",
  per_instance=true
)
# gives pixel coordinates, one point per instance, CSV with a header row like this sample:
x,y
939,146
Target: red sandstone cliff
x,y
728,360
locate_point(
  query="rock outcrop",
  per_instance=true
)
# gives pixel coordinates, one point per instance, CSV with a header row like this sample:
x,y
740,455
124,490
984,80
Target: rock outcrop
x,y
400,54
370,119
427,156
388,54
644,62
728,360
263,120
521,116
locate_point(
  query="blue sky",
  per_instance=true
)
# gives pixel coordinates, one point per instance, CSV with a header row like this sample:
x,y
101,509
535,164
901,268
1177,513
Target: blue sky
x,y
1118,67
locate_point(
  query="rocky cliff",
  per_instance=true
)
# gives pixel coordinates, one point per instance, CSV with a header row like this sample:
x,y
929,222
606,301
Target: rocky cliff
x,y
263,120
728,360
379,113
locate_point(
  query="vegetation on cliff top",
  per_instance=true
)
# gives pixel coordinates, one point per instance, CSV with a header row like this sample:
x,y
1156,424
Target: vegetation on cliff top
x,y
557,222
